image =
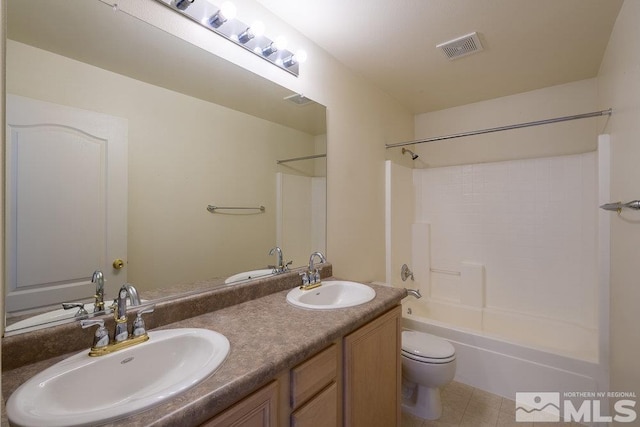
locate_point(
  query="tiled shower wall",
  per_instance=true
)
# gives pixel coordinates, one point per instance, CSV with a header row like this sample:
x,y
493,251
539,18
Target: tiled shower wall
x,y
532,224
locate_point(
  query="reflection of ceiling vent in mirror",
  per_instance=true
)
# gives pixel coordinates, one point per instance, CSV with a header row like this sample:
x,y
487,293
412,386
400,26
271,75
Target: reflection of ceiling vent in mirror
x,y
462,46
298,99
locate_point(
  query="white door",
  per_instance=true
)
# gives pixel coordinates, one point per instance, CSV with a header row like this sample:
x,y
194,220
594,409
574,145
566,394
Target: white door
x,y
66,200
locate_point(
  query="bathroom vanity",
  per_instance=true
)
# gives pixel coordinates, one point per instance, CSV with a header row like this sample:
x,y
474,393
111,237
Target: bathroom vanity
x,y
322,391
287,366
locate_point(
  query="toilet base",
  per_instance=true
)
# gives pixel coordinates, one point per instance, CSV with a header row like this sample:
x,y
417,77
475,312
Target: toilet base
x,y
424,403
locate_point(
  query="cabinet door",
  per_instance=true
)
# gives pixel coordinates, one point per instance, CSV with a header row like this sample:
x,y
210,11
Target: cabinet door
x,y
373,373
257,410
321,411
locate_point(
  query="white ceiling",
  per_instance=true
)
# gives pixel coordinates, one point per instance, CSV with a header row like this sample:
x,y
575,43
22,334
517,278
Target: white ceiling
x,y
528,44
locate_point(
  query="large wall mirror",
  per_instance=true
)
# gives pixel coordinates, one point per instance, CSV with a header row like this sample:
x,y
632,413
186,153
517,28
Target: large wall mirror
x,y
120,135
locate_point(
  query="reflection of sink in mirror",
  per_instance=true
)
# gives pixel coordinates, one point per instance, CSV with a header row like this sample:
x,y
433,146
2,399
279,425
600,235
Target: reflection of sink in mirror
x,y
248,275
171,361
46,319
331,294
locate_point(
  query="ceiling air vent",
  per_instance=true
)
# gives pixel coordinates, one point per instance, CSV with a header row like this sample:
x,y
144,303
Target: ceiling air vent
x,y
462,46
298,99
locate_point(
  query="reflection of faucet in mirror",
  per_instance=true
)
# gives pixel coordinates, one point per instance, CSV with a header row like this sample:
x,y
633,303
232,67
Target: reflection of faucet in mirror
x,y
280,267
80,306
98,279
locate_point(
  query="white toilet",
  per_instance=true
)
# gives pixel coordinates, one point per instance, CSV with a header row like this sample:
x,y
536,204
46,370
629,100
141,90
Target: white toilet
x,y
428,362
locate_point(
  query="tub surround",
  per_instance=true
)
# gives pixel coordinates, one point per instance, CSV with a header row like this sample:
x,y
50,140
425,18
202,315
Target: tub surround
x,y
268,337
504,367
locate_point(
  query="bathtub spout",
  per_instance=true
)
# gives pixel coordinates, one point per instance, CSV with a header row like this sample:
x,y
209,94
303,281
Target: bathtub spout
x,y
414,292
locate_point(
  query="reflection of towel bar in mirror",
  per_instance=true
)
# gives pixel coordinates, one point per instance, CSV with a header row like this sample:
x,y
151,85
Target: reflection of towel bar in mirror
x,y
213,209
617,207
295,159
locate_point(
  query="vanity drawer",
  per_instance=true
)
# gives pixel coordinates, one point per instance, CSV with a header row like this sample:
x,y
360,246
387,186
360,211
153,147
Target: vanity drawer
x,y
313,375
321,411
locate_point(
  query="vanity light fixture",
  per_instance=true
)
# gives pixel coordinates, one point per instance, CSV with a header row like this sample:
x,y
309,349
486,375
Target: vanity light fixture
x,y
221,20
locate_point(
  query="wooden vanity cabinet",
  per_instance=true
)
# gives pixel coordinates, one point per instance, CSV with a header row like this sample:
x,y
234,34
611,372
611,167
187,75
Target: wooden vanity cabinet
x,y
259,409
355,382
314,390
373,373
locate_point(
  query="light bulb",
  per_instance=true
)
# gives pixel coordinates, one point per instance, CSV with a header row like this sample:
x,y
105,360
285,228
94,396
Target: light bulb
x,y
280,43
227,11
300,56
257,28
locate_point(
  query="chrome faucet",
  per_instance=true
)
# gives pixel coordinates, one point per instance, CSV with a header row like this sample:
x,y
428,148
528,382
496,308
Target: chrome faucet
x,y
414,292
311,258
280,267
133,294
98,279
311,278
121,337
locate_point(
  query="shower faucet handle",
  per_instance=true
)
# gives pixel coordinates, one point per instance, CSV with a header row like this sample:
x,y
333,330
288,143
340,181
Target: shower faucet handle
x,y
405,273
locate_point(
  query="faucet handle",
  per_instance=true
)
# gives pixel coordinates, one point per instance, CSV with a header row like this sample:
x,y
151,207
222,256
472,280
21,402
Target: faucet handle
x,y
101,337
316,275
139,328
305,278
286,266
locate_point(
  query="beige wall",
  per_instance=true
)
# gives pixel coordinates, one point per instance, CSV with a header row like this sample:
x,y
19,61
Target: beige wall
x,y
619,88
557,139
179,163
3,27
360,120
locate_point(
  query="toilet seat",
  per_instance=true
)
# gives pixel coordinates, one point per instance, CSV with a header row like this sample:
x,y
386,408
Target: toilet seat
x,y
427,348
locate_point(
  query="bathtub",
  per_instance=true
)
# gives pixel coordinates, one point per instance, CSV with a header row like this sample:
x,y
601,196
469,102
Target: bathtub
x,y
504,368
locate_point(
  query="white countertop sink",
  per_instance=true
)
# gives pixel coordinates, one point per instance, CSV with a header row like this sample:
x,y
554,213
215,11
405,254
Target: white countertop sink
x,y
331,294
74,392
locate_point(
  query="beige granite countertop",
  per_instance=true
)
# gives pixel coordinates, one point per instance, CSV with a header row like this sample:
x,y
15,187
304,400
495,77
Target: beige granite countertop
x,y
268,336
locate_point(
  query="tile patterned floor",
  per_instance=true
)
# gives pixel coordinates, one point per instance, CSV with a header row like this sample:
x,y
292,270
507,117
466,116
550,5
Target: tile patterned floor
x,y
466,406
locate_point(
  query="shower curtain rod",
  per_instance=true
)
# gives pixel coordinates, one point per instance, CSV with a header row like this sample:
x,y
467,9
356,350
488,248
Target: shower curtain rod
x,y
295,159
501,128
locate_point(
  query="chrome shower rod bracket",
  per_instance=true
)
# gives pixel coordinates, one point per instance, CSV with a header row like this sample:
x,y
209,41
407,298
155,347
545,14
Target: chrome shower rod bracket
x,y
619,206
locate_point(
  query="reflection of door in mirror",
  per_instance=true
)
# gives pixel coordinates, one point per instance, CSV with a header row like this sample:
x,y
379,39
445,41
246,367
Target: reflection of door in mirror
x,y
66,202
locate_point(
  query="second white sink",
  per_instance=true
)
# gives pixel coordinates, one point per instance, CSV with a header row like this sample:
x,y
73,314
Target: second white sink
x,y
332,294
138,377
248,275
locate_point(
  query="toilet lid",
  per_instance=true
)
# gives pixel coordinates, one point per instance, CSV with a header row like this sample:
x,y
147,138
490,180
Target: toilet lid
x,y
427,346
